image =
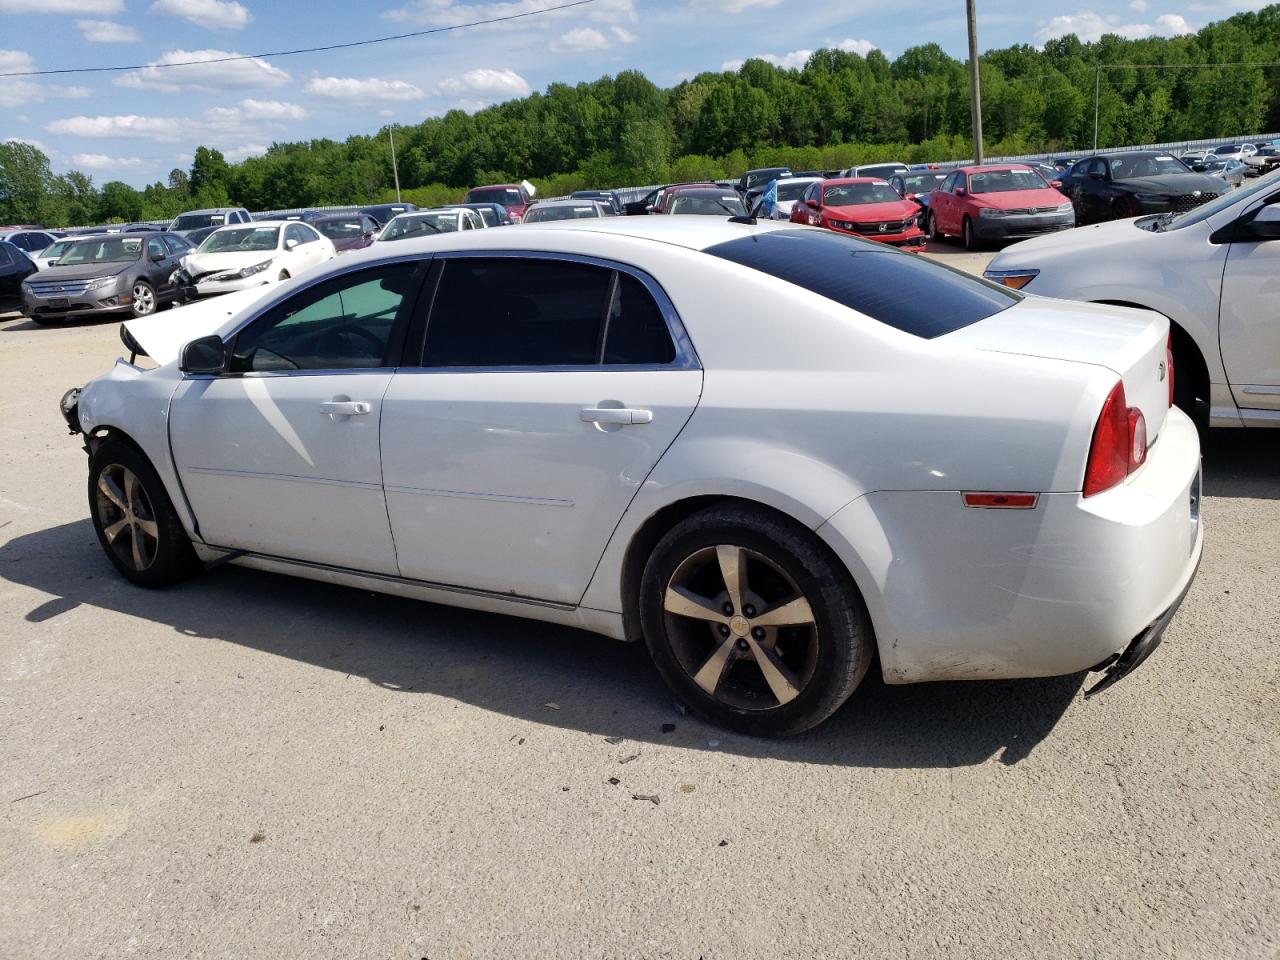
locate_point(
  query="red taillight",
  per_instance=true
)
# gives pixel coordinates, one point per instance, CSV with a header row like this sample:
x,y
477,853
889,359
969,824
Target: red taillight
x,y
1119,444
1168,365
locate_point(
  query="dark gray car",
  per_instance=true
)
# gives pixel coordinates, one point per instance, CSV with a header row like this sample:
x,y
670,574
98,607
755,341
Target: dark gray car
x,y
119,273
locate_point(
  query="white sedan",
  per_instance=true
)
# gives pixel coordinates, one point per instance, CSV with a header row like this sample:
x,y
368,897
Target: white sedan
x,y
246,255
1212,272
770,452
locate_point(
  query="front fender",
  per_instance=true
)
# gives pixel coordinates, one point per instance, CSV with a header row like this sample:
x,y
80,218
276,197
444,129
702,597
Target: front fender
x,y
135,402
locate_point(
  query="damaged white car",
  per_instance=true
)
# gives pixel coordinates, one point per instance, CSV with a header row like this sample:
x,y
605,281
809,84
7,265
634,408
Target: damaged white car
x,y
240,256
770,452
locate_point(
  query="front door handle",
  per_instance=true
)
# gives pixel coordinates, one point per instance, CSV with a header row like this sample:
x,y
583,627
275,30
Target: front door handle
x,y
615,415
345,408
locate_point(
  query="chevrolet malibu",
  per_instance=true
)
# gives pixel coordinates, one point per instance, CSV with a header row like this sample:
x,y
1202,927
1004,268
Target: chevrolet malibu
x,y
769,452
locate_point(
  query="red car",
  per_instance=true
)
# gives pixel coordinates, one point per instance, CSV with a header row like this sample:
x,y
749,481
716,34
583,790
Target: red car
x,y
513,196
1005,201
863,206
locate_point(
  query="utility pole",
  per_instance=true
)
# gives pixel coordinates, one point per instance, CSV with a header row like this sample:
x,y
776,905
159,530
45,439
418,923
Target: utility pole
x,y
1097,79
975,86
395,171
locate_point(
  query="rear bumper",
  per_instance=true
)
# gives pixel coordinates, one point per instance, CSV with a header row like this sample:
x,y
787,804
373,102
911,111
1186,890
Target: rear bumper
x,y
959,593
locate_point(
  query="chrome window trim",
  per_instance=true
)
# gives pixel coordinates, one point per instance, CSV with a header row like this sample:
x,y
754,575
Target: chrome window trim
x,y
686,357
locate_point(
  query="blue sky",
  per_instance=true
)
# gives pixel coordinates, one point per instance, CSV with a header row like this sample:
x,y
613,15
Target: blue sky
x,y
136,126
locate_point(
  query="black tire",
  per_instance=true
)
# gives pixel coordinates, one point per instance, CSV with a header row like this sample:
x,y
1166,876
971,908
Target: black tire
x,y
932,222
1122,208
826,656
168,554
971,242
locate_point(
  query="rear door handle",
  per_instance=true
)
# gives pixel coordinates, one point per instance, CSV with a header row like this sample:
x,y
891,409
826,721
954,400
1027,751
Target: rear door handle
x,y
345,408
615,415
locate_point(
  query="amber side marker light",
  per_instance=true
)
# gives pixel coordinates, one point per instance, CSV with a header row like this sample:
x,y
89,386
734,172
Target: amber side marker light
x,y
1013,279
1002,501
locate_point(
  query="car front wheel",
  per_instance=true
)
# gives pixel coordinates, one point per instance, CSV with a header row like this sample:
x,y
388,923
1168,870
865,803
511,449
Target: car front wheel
x,y
135,521
753,622
144,299
970,238
932,222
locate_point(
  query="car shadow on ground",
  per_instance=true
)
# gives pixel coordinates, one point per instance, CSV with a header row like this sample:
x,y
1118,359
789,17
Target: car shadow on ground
x,y
515,667
1242,463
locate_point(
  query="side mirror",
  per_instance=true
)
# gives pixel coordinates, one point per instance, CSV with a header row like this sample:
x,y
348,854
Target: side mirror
x,y
290,243
961,191
811,203
206,355
1263,225
157,258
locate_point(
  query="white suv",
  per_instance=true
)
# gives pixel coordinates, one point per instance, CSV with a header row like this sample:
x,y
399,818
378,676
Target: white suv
x,y
1212,272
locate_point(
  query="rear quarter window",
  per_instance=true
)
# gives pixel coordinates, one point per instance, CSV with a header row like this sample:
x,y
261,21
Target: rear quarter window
x,y
900,290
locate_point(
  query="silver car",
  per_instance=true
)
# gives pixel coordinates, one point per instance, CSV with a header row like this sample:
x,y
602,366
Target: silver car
x,y
113,274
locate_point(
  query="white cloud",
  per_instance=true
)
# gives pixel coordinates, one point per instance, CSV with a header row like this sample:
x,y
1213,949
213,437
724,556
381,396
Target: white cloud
x,y
246,119
61,6
210,14
17,91
450,13
229,74
128,125
236,154
107,31
97,161
579,40
790,61
733,6
15,61
1090,27
497,83
272,110
368,89
1139,5
1172,25
860,47
624,36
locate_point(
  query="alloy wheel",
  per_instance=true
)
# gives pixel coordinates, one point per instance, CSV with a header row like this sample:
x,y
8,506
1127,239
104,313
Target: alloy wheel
x,y
144,300
126,517
740,627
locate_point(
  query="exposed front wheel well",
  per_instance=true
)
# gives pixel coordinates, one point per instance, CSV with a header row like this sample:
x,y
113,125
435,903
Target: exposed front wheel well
x,y
101,435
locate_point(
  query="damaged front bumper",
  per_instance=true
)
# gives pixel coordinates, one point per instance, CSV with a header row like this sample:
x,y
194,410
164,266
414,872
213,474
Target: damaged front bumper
x,y
70,407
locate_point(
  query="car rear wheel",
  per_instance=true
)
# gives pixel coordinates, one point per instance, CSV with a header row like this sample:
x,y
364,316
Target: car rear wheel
x,y
144,299
135,521
753,622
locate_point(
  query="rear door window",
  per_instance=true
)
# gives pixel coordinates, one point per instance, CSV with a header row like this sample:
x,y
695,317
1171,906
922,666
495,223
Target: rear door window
x,y
898,289
517,312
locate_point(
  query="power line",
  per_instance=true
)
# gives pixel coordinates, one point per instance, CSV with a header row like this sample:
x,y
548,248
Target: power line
x,y
290,53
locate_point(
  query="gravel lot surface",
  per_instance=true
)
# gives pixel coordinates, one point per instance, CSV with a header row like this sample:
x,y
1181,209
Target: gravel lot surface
x,y
250,765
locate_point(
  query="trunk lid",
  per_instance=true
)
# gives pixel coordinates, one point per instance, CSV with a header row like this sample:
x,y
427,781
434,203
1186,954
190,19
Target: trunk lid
x,y
1131,343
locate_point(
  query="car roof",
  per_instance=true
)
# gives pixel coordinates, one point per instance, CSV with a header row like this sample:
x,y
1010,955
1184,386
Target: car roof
x,y
782,180
994,167
834,181
693,233
493,186
209,210
570,202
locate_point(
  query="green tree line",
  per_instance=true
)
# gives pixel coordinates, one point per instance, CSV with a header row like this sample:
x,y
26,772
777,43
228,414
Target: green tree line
x,y
839,109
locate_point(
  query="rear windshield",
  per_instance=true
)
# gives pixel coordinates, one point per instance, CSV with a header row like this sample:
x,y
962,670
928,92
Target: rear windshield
x,y
507,196
907,292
